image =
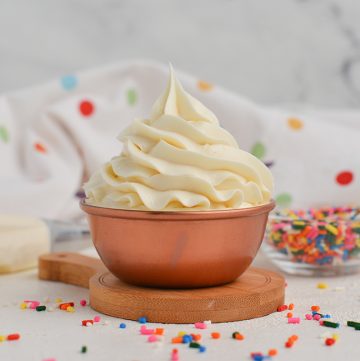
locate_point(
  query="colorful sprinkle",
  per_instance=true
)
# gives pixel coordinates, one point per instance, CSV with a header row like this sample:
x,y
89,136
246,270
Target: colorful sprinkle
x,y
83,303
13,337
215,335
200,325
86,108
294,320
122,325
4,134
131,96
204,85
39,147
83,349
344,178
329,341
283,200
40,308
142,320
323,236
258,150
97,319
295,123
69,82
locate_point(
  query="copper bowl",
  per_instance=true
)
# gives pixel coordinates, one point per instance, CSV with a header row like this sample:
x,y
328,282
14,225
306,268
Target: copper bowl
x,y
177,249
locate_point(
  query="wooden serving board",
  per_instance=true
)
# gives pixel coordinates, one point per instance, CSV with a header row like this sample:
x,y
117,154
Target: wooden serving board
x,y
256,293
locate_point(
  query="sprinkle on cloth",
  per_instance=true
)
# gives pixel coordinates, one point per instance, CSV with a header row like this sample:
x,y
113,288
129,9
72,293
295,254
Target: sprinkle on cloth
x,y
322,236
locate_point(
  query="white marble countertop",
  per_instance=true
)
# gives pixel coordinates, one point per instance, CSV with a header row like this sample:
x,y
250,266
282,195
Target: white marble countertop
x,y
59,335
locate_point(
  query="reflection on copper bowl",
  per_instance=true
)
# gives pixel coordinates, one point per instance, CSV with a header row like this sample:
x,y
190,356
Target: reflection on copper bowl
x,y
177,249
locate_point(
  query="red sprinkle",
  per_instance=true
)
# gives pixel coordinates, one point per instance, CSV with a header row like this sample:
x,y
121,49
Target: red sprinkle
x,y
86,108
282,308
85,322
13,337
329,341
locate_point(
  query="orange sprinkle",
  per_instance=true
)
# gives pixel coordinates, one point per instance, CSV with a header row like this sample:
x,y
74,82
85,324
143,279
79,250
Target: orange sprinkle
x,y
176,340
196,337
294,338
295,123
273,352
291,306
215,335
159,331
315,308
40,148
239,336
289,315
204,85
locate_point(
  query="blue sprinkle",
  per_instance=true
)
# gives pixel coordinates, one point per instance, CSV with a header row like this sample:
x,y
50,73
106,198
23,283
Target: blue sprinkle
x,y
202,349
142,320
186,339
122,325
69,82
258,358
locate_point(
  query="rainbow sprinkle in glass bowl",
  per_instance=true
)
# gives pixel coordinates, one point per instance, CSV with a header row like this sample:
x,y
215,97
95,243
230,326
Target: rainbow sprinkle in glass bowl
x,y
315,242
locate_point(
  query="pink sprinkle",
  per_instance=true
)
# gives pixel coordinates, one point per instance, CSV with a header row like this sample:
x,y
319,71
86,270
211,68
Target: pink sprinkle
x,y
308,316
83,303
97,319
316,317
152,338
294,320
200,325
50,359
147,331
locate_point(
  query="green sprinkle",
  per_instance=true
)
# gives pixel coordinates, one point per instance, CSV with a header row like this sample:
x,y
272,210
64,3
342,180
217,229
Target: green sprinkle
x,y
4,134
40,308
258,150
194,345
131,96
83,349
331,324
283,200
353,324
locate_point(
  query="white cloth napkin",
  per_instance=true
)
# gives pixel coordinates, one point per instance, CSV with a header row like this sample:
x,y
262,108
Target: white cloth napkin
x,y
53,136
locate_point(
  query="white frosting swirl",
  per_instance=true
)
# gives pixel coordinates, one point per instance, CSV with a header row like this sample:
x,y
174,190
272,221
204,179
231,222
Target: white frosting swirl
x,y
179,159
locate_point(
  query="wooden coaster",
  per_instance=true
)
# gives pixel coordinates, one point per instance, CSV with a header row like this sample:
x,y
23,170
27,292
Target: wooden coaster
x,y
256,293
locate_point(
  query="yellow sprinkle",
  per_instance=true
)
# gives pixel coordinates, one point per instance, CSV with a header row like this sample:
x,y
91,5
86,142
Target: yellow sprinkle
x,y
23,306
322,285
335,336
2,338
332,229
181,333
58,300
204,86
70,309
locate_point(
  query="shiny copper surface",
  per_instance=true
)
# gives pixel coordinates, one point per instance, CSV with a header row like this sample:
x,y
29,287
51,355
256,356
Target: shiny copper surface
x,y
177,249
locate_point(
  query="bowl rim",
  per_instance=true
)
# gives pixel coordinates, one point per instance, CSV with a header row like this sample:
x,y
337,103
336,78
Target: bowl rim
x,y
176,215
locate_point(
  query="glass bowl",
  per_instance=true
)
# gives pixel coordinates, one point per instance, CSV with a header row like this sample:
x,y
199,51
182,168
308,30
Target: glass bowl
x,y
315,242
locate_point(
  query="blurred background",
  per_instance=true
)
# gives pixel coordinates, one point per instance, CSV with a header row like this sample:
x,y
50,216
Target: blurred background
x,y
279,51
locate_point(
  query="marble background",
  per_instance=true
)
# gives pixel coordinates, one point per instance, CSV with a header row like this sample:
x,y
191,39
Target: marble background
x,y
273,51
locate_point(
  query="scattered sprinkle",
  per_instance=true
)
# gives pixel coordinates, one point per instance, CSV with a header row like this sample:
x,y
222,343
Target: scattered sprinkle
x,y
83,303
142,320
40,308
13,337
215,335
83,349
122,325
200,325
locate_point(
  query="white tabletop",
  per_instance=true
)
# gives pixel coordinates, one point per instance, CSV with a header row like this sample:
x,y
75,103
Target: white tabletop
x,y
59,335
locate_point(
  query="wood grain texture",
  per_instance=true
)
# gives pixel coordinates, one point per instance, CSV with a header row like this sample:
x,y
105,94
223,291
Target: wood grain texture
x,y
256,293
